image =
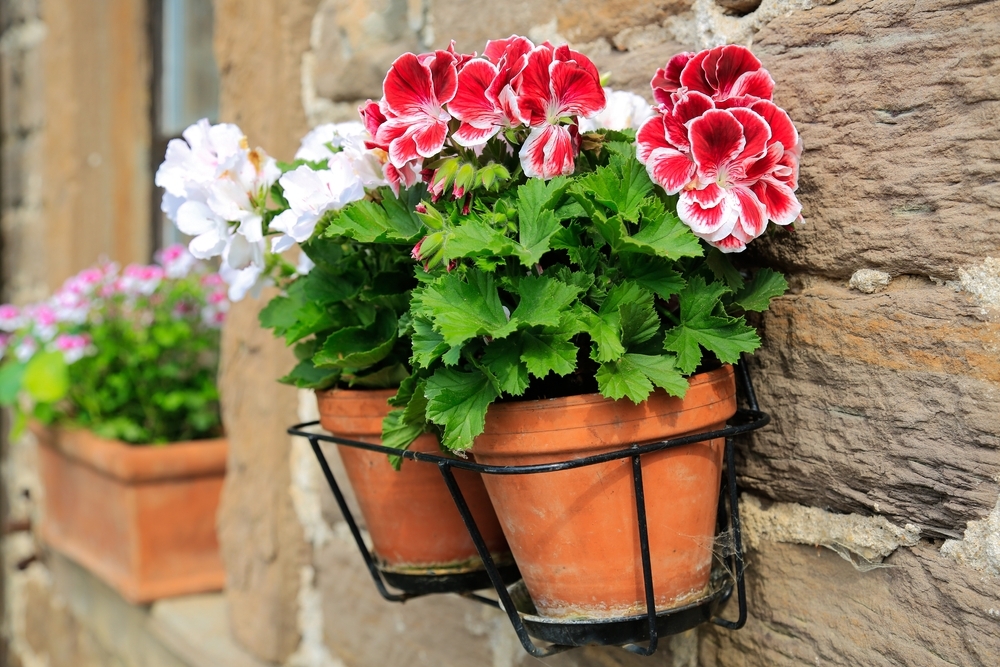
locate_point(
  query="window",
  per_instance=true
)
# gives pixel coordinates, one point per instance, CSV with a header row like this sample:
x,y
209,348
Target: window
x,y
185,83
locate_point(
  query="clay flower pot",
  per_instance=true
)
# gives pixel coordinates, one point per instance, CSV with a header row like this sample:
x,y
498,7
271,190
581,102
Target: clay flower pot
x,y
574,533
142,518
412,519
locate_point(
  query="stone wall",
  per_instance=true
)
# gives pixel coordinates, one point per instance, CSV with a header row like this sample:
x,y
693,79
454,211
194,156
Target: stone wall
x,y
872,506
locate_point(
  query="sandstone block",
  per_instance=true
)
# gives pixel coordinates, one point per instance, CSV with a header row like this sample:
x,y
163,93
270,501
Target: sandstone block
x,y
808,606
897,105
882,403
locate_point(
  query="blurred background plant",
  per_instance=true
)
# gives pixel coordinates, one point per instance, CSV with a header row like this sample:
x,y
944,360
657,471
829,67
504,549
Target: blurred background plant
x,y
130,354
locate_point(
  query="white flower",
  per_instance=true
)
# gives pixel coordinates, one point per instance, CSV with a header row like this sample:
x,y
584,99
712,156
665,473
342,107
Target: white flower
x,y
624,110
324,141
192,164
312,193
304,265
242,267
209,230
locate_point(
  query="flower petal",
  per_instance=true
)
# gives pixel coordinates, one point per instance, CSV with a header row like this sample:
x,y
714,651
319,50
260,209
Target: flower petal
x,y
576,89
779,200
548,152
781,125
716,139
756,133
706,220
444,75
408,87
739,72
468,135
668,79
470,103
513,48
651,135
195,218
670,168
429,137
753,218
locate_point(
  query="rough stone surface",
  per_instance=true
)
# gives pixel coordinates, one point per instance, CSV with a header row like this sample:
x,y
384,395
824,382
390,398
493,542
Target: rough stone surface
x,y
884,403
851,535
980,546
897,103
260,537
810,607
869,281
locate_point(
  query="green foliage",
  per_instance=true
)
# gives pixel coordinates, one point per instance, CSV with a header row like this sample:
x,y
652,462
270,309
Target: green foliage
x,y
148,376
523,288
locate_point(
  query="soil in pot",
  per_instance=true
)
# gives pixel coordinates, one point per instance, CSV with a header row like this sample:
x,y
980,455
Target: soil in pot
x,y
410,515
574,533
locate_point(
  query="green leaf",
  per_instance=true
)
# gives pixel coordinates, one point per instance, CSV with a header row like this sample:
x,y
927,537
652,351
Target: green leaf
x,y
11,377
620,186
503,359
458,402
639,321
475,238
723,269
661,370
766,284
402,426
386,377
359,347
652,273
46,377
726,336
306,376
664,236
622,378
537,221
428,345
606,333
548,350
460,309
543,300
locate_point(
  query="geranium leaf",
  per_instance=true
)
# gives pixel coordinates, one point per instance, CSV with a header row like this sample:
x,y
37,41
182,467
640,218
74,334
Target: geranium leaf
x,y
639,321
306,376
662,370
548,350
664,236
536,220
620,186
457,402
766,285
428,344
46,377
726,336
622,378
503,359
475,238
723,268
358,347
11,375
606,332
653,274
460,309
542,300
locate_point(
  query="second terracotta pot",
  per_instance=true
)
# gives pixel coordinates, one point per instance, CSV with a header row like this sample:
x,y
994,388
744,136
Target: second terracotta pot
x,y
412,519
574,533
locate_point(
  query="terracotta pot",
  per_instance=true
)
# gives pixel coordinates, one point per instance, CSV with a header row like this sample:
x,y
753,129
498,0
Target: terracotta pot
x,y
410,515
142,518
574,533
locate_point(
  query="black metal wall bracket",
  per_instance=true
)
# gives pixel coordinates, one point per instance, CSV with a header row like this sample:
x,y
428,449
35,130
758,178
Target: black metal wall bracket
x,y
560,635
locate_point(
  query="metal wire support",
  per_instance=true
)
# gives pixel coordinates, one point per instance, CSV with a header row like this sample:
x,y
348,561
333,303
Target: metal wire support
x,y
625,633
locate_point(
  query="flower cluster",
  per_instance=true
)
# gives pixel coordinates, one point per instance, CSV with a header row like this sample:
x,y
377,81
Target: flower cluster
x,y
128,350
719,141
95,294
216,191
532,97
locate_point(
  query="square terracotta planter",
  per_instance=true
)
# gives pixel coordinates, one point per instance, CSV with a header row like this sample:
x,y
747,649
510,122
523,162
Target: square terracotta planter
x,y
142,518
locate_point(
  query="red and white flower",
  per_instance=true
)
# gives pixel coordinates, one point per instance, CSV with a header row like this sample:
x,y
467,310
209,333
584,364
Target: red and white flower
x,y
416,90
724,73
556,82
486,101
719,141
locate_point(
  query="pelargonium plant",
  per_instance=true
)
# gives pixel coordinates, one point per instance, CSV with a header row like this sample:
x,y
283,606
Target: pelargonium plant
x,y
129,353
558,238
556,259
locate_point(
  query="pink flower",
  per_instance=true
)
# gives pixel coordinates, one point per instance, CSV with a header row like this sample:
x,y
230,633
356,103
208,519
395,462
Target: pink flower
x,y
555,83
416,90
137,279
486,101
177,262
212,280
10,318
724,73
73,346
